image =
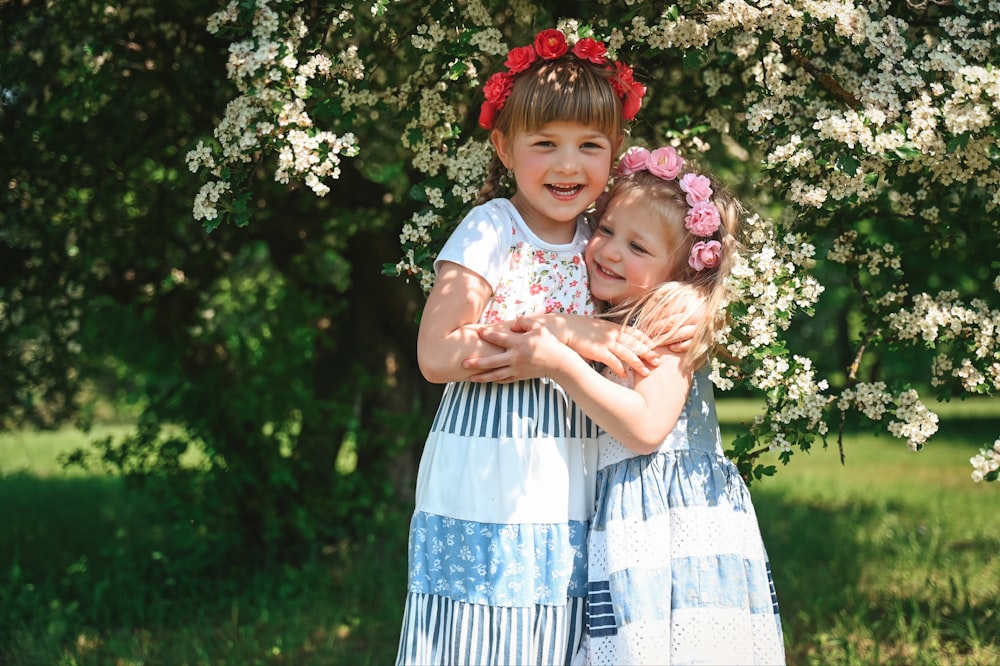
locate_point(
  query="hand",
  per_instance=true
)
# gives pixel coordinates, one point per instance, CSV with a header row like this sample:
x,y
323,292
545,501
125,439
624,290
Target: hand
x,y
687,323
620,348
531,351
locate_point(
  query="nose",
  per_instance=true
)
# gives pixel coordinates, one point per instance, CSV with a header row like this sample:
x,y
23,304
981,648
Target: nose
x,y
609,251
566,161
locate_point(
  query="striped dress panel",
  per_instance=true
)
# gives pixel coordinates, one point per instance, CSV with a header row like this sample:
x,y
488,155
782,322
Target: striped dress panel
x,y
441,631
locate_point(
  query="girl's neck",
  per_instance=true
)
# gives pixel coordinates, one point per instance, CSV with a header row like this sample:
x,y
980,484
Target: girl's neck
x,y
549,230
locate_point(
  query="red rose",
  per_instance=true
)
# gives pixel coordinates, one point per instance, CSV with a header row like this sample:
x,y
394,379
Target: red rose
x,y
630,91
487,114
590,49
624,78
498,88
550,44
633,100
520,58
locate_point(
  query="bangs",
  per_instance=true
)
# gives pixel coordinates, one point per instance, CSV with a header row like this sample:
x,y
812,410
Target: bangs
x,y
567,91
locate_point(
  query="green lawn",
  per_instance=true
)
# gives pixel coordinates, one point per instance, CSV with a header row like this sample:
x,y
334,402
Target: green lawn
x,y
890,558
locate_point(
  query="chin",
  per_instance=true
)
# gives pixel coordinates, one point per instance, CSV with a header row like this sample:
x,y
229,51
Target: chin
x,y
597,295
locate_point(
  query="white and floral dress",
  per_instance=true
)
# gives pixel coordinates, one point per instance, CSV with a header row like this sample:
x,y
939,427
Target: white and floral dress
x,y
678,573
505,487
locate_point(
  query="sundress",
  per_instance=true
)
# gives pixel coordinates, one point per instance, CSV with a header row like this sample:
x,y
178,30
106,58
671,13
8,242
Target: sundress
x,y
505,487
678,572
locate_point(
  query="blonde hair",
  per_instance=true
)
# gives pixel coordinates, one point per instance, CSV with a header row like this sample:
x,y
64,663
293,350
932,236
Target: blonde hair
x,y
563,89
688,290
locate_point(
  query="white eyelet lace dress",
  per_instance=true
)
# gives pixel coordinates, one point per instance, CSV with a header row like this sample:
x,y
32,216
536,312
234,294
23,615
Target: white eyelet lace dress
x,y
678,573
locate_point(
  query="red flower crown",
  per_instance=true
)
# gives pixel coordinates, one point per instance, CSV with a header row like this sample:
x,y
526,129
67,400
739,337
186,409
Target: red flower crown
x,y
549,45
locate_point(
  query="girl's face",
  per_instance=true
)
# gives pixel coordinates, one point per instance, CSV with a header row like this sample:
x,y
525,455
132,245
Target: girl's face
x,y
630,250
560,170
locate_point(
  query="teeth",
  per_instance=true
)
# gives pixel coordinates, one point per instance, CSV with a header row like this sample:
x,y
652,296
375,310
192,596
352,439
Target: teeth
x,y
565,189
607,272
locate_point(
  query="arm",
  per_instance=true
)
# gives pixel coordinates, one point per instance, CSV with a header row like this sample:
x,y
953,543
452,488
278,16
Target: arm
x,y
618,347
449,325
593,338
639,417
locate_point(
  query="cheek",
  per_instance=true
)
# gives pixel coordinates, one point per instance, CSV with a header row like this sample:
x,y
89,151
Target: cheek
x,y
645,274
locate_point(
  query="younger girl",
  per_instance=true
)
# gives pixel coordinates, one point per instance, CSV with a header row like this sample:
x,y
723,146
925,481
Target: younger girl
x,y
497,559
678,572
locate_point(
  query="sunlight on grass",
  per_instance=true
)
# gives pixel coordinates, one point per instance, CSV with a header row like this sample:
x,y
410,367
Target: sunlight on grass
x,y
889,557
38,452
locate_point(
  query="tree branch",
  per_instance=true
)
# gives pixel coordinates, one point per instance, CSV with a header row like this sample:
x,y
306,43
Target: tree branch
x,y
829,83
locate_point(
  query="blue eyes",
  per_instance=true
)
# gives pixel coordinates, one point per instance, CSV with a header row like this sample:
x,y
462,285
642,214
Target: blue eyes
x,y
609,232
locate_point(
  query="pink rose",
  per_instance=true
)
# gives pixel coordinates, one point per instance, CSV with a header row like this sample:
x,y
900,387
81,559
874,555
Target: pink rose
x,y
665,163
702,219
550,44
705,255
696,187
520,58
590,49
635,159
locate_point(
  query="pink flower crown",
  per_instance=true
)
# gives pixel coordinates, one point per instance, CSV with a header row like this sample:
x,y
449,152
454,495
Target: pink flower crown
x,y
702,218
549,45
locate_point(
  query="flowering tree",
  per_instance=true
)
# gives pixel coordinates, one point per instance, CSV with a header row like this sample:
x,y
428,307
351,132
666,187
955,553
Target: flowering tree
x,y
873,124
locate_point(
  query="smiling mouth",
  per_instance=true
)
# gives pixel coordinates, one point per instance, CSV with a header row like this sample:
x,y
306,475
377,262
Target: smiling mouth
x,y
601,270
565,191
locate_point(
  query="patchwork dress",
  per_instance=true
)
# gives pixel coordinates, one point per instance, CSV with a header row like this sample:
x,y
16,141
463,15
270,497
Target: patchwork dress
x,y
505,487
678,573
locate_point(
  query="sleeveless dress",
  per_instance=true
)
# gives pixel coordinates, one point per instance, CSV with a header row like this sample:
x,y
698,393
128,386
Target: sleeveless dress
x,y
505,487
678,573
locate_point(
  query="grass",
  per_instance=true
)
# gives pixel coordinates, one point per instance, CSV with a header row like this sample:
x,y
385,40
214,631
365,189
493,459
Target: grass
x,y
890,558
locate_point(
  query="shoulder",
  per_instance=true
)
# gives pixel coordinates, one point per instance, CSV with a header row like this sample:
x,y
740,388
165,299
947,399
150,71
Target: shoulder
x,y
495,210
495,218
481,240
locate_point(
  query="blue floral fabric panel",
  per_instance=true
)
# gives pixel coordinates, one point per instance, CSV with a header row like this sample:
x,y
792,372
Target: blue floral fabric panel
x,y
498,564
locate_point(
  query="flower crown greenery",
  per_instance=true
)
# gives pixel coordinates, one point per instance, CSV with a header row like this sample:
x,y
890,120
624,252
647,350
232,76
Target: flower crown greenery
x,y
702,219
550,45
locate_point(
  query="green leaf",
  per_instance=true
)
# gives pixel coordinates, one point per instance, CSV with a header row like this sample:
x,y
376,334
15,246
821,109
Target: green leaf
x,y
959,142
848,164
694,58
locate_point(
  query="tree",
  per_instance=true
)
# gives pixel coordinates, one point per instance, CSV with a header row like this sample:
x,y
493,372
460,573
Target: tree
x,y
266,352
874,125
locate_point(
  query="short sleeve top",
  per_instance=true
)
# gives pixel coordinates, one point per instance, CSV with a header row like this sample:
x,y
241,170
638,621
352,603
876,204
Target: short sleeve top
x,y
527,274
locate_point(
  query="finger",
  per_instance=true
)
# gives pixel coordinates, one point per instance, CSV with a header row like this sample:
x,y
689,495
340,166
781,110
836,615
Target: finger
x,y
499,376
490,362
631,359
679,347
494,336
523,325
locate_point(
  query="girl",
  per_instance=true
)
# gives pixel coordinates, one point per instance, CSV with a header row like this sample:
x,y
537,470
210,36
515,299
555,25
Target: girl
x,y
497,560
678,572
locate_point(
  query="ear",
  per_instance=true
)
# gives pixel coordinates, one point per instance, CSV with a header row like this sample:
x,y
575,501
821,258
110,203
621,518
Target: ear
x,y
502,146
